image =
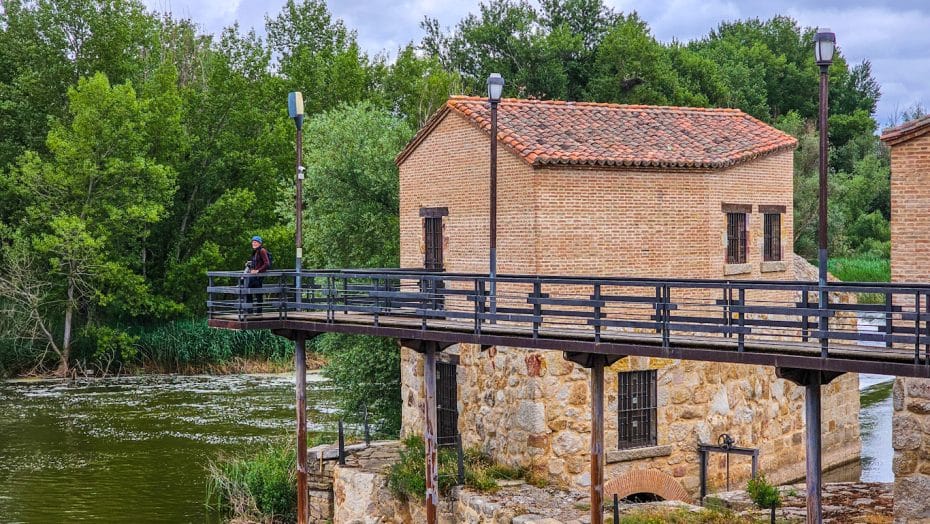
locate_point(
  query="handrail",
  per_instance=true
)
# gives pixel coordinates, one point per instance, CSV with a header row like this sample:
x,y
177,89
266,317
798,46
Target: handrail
x,y
587,306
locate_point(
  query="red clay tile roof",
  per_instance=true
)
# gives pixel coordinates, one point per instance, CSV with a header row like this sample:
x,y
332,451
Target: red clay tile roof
x,y
554,133
906,131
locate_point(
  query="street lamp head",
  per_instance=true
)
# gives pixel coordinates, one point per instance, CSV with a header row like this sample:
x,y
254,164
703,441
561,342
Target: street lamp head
x,y
495,87
824,46
295,107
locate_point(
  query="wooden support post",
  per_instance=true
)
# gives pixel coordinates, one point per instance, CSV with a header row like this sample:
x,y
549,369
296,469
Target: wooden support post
x,y
812,380
429,435
300,365
597,440
812,410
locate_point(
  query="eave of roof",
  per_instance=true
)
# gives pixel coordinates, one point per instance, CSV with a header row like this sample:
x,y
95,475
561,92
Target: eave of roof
x,y
906,131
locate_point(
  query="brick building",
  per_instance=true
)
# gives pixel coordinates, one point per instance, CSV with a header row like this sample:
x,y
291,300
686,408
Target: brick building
x,y
910,262
613,190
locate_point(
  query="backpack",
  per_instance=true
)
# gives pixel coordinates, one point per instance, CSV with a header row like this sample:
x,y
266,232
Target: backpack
x,y
270,259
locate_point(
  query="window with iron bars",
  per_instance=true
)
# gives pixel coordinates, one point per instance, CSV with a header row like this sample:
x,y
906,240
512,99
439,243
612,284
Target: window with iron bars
x,y
771,250
636,409
736,238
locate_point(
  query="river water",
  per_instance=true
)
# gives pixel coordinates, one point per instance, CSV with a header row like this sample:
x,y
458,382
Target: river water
x,y
135,449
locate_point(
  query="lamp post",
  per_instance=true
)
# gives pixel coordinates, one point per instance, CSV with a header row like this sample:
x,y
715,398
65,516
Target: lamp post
x,y
295,109
495,89
824,45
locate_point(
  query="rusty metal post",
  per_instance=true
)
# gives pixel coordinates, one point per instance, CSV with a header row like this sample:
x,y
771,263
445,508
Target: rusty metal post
x,y
429,435
823,325
493,211
597,440
812,410
300,364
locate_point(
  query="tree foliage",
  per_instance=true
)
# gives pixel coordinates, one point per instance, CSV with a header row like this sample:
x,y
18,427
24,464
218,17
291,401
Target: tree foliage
x,y
136,153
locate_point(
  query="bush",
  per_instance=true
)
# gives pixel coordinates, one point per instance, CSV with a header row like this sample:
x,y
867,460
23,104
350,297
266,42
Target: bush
x,y
262,487
763,494
407,479
366,373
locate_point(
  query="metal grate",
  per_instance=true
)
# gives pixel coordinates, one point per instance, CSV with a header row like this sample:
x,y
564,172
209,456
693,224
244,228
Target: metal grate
x,y
447,404
736,238
772,245
636,407
432,235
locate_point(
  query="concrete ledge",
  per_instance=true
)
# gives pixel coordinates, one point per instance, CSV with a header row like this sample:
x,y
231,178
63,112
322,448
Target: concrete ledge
x,y
772,266
625,455
736,269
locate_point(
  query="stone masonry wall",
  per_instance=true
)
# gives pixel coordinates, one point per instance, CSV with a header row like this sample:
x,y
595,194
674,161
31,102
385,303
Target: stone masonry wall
x,y
910,437
531,408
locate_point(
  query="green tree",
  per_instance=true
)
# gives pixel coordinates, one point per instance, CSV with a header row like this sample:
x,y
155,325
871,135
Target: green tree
x,y
91,205
352,214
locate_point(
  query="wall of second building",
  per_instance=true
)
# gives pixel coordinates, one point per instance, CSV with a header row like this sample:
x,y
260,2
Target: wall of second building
x,y
532,408
910,219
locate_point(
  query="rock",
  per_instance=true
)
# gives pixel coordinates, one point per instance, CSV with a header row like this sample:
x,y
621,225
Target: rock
x,y
531,417
905,433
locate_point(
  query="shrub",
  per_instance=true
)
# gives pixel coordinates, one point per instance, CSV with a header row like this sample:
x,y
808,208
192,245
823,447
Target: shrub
x,y
407,479
366,373
262,486
763,494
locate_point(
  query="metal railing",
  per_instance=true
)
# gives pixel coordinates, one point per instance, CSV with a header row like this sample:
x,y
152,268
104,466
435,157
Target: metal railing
x,y
727,314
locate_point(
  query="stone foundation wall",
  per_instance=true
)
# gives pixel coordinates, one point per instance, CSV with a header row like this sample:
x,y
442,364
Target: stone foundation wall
x,y
910,438
531,408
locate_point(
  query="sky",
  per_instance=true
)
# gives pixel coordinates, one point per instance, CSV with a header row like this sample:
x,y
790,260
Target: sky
x,y
893,35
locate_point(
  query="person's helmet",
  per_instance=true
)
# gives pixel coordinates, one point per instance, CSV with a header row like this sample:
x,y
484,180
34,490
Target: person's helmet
x,y
258,239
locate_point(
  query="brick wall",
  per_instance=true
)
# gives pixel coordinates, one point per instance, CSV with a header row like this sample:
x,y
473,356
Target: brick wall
x,y
584,222
910,201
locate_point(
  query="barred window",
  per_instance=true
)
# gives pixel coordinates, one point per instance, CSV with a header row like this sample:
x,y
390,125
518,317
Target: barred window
x,y
771,250
736,238
636,407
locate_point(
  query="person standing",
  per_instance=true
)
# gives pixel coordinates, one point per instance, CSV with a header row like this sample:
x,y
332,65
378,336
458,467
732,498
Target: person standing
x,y
259,263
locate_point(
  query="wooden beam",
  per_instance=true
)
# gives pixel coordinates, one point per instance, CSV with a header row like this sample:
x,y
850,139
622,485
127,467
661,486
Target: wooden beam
x,y
300,369
597,441
429,434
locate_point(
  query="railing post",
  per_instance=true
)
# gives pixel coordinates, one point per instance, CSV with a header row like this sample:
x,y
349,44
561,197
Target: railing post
x,y
824,324
741,337
889,320
537,307
342,444
597,313
727,302
917,328
242,282
479,304
666,327
805,322
330,299
927,326
209,296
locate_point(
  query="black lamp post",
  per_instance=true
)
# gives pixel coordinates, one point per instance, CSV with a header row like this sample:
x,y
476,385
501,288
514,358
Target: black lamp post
x,y
295,109
495,89
824,45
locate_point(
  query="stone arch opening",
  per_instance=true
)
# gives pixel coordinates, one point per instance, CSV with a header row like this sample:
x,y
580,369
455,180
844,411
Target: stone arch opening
x,y
646,482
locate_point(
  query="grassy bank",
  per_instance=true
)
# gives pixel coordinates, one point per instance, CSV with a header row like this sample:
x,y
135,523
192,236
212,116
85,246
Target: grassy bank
x,y
180,346
258,488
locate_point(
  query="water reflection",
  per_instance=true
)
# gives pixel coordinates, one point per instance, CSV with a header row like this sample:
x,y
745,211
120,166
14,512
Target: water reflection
x,y
134,449
875,427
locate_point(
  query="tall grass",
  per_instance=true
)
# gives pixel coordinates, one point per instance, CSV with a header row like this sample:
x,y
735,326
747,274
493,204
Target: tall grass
x,y
860,269
185,343
257,488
